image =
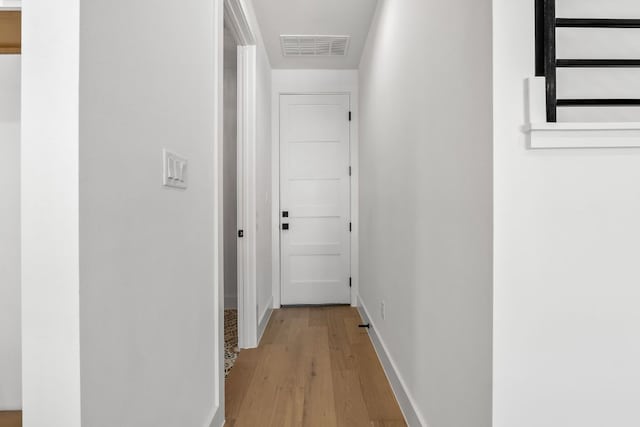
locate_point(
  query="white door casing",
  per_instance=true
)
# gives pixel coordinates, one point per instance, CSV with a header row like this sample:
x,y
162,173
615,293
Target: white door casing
x,y
315,196
235,16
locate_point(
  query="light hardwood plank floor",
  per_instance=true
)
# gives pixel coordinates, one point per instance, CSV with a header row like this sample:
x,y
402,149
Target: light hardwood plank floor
x,y
10,419
314,367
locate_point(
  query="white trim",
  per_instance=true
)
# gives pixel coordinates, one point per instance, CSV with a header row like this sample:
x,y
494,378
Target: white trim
x,y
407,404
237,21
591,126
355,197
264,319
218,201
572,135
217,419
10,5
275,197
247,164
584,135
334,82
241,248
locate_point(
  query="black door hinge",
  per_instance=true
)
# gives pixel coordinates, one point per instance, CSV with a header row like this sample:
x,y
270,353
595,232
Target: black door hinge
x,y
240,233
349,226
349,115
349,281
349,170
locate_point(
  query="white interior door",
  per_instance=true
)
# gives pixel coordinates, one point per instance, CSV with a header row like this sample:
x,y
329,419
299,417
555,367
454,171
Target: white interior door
x,y
314,199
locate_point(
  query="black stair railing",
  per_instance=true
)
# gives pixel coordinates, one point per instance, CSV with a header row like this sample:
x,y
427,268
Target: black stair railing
x,y
547,63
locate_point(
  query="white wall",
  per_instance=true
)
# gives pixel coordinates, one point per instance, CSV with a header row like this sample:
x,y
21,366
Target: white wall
x,y
426,203
148,295
50,217
10,364
567,235
230,170
313,81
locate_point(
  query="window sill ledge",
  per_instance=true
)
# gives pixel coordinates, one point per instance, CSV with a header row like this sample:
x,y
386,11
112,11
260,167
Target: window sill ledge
x,y
573,135
583,135
8,5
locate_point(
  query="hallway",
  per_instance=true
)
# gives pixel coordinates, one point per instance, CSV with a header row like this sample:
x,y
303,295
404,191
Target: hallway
x,y
314,367
183,180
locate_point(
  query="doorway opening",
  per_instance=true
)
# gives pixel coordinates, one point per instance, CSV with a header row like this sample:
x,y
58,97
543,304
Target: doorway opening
x,y
10,212
232,233
236,173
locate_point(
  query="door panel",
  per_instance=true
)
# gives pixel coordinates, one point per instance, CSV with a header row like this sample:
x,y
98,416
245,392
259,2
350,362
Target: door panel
x,y
315,191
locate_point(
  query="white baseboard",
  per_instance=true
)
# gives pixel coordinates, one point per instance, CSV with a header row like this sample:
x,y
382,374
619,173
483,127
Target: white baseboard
x,y
264,319
218,418
406,402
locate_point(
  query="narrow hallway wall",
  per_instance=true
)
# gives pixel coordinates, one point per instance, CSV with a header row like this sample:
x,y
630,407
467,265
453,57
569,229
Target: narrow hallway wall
x,y
10,342
149,306
426,203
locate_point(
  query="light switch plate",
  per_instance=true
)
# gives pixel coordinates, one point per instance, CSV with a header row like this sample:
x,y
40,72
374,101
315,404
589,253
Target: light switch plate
x,y
174,170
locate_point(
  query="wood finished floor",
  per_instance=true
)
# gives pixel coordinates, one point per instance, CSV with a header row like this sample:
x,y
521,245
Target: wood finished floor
x,y
10,419
314,367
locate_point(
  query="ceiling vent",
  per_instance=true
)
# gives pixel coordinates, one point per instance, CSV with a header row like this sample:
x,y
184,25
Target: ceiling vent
x,y
315,45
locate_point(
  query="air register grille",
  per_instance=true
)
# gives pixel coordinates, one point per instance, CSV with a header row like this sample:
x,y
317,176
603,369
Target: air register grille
x,y
314,45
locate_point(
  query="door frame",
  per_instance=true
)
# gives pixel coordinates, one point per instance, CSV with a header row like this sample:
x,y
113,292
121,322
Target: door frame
x,y
234,13
237,21
236,18
352,93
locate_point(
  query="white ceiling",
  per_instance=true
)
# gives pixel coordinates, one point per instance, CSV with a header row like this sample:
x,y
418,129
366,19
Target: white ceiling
x,y
315,17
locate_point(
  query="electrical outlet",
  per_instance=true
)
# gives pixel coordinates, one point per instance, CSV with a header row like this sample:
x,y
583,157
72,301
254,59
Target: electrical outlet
x,y
383,312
